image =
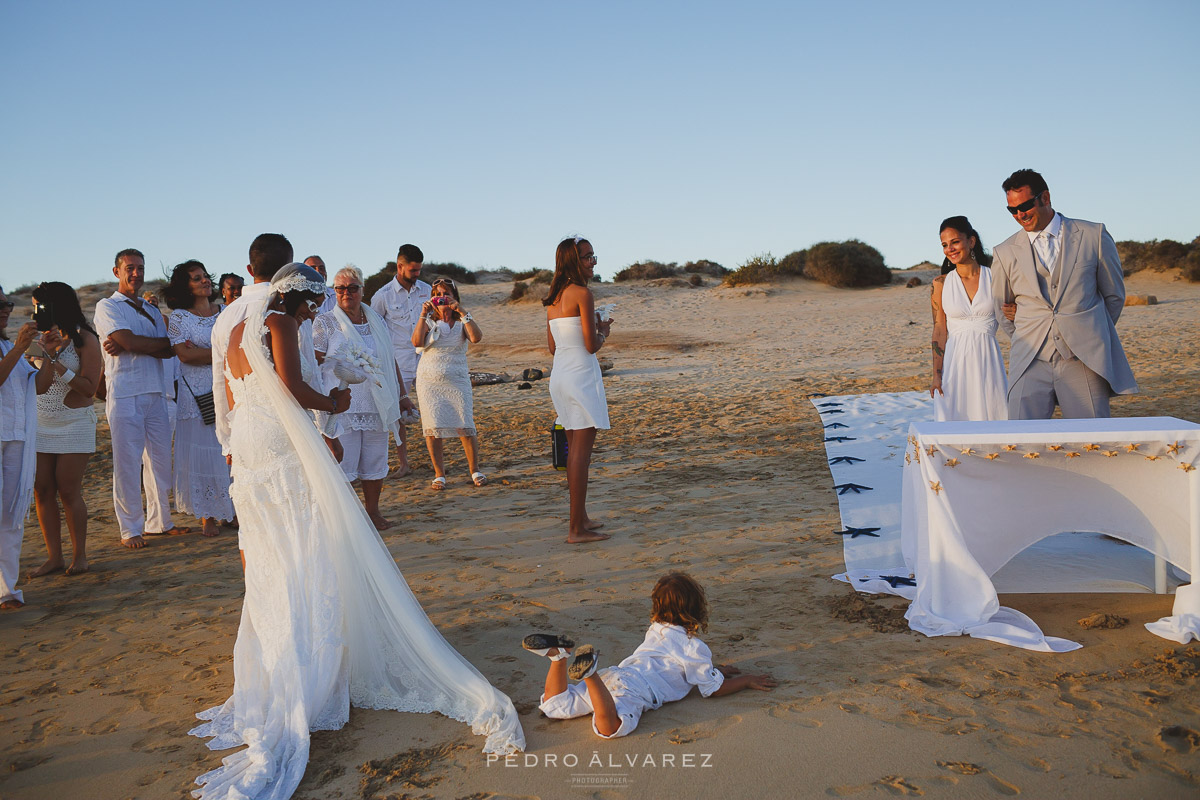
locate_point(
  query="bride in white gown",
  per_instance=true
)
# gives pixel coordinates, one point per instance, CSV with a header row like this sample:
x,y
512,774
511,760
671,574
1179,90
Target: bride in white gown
x,y
328,620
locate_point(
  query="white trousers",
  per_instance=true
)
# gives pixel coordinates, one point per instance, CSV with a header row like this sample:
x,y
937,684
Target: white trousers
x,y
12,530
364,455
141,424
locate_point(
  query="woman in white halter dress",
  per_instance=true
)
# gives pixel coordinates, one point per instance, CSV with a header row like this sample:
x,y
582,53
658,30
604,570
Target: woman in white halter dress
x,y
969,381
328,620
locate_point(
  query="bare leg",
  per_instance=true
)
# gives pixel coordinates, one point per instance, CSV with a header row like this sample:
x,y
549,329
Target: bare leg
x,y
402,453
371,492
471,450
242,554
45,496
579,459
556,677
436,456
208,527
604,709
69,478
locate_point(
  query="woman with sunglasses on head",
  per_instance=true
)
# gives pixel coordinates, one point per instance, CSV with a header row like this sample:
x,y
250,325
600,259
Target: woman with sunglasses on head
x,y
968,368
375,404
18,431
575,333
67,380
201,473
443,382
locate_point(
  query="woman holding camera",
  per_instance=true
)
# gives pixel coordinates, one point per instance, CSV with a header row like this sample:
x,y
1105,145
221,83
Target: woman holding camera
x,y
443,381
201,473
18,427
66,438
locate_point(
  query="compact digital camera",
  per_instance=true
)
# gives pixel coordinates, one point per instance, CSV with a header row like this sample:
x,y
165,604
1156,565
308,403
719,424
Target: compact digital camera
x,y
440,300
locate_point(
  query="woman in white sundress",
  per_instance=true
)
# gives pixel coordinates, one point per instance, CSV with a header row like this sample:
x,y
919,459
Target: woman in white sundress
x,y
328,620
968,382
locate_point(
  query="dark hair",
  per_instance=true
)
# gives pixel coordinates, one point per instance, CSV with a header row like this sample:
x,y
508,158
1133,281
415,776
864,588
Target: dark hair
x,y
411,253
1026,177
129,251
177,292
3,333
453,290
64,309
679,600
963,226
268,253
568,268
294,299
227,276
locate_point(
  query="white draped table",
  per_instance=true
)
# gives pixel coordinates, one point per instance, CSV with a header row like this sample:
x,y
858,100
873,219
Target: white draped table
x,y
977,493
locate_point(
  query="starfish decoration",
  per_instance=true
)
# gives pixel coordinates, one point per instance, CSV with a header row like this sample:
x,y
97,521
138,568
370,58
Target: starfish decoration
x,y
1109,453
845,460
839,439
1032,455
1174,447
931,449
817,394
1129,448
952,462
851,487
966,451
833,411
991,456
830,404
837,425
1056,447
936,486
917,455
907,459
898,580
854,533
1186,467
1071,454
1153,458
1091,447
1010,447
912,440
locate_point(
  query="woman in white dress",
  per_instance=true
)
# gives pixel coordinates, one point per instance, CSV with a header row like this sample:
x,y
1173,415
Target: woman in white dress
x,y
969,382
328,620
201,473
575,333
66,384
375,405
443,380
18,429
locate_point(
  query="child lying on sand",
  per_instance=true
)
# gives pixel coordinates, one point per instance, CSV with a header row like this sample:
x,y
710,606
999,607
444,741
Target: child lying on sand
x,y
663,668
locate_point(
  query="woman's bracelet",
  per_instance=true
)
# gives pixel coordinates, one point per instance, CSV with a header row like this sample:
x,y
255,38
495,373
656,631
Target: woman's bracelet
x,y
332,402
403,397
466,317
68,376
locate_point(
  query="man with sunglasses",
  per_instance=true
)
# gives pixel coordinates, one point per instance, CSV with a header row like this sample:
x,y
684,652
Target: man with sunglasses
x,y
1059,291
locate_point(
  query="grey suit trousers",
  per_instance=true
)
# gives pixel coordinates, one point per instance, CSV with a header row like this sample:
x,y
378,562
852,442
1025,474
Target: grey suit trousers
x,y
1065,382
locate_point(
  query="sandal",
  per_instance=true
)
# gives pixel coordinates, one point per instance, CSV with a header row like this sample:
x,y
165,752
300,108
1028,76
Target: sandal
x,y
437,484
585,663
542,643
478,478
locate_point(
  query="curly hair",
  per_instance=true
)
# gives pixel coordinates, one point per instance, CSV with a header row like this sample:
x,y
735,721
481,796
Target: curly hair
x,y
177,292
679,600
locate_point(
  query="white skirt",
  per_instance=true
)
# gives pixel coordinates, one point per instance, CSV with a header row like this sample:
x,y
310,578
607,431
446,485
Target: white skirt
x,y
201,474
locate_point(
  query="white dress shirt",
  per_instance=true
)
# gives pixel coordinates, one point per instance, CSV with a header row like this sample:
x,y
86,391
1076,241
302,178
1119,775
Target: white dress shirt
x,y
401,310
130,374
1047,243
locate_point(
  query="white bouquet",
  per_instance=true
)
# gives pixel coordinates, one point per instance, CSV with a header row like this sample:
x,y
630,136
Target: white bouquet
x,y
354,365
605,311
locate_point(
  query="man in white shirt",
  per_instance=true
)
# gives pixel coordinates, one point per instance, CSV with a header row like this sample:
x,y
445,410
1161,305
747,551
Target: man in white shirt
x,y
136,359
330,301
399,302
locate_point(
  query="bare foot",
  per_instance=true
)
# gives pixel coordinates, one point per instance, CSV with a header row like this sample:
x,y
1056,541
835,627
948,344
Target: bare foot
x,y
78,567
175,530
209,528
49,568
11,604
134,542
591,524
586,536
381,523
402,470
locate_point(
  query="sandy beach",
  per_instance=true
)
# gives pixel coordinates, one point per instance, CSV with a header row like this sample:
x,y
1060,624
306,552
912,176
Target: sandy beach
x,y
714,465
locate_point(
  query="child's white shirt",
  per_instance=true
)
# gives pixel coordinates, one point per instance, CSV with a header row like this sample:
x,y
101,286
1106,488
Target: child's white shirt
x,y
670,663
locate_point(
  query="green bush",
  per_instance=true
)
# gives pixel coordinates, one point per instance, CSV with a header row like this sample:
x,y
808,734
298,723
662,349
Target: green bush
x,y
1189,266
846,264
792,263
647,270
455,272
519,290
373,282
705,267
1157,255
760,269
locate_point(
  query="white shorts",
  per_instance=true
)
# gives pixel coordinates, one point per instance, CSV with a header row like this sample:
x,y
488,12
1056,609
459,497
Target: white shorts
x,y
364,455
575,702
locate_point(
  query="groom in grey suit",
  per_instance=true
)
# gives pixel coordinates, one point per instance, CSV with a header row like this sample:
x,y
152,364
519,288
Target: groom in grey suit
x,y
1058,289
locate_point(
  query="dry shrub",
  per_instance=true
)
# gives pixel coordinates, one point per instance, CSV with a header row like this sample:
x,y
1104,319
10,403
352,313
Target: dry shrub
x,y
519,290
705,267
373,282
846,264
760,269
647,270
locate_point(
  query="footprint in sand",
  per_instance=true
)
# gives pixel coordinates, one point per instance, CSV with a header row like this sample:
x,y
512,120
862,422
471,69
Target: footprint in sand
x,y
967,768
1178,739
892,784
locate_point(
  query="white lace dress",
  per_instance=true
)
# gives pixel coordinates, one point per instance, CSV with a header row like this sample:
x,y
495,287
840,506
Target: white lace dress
x,y
201,475
328,620
444,384
974,386
62,429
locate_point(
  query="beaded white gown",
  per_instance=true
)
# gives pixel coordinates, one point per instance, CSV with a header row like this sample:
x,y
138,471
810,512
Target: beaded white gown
x,y
974,386
328,621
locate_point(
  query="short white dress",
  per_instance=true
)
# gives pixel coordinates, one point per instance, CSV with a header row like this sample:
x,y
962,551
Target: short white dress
x,y
62,429
201,474
576,385
974,385
444,384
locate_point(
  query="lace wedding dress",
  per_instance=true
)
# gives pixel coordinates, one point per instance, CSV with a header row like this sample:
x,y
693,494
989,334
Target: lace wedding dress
x,y
328,621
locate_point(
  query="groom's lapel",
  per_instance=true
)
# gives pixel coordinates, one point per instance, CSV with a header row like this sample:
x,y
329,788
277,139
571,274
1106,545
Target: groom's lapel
x,y
1026,267
1072,236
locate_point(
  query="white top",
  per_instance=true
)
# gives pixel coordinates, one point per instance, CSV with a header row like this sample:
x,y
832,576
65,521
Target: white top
x,y
185,326
130,374
1046,242
13,395
328,338
329,302
401,310
671,663
233,314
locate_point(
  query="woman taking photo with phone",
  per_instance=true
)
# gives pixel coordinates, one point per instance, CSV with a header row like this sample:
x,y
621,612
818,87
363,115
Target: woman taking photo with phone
x,y
443,381
18,427
575,333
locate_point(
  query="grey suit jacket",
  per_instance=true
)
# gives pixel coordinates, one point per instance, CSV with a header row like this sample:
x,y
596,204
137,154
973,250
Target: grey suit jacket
x,y
1081,305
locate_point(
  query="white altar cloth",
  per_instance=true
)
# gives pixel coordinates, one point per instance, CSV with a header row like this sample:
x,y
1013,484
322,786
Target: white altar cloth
x,y
978,493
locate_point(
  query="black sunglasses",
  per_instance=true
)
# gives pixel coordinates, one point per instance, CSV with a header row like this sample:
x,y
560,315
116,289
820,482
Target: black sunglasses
x,y
1023,207
7,305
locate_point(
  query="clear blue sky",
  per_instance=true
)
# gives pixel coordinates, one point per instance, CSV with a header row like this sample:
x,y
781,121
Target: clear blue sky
x,y
484,131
